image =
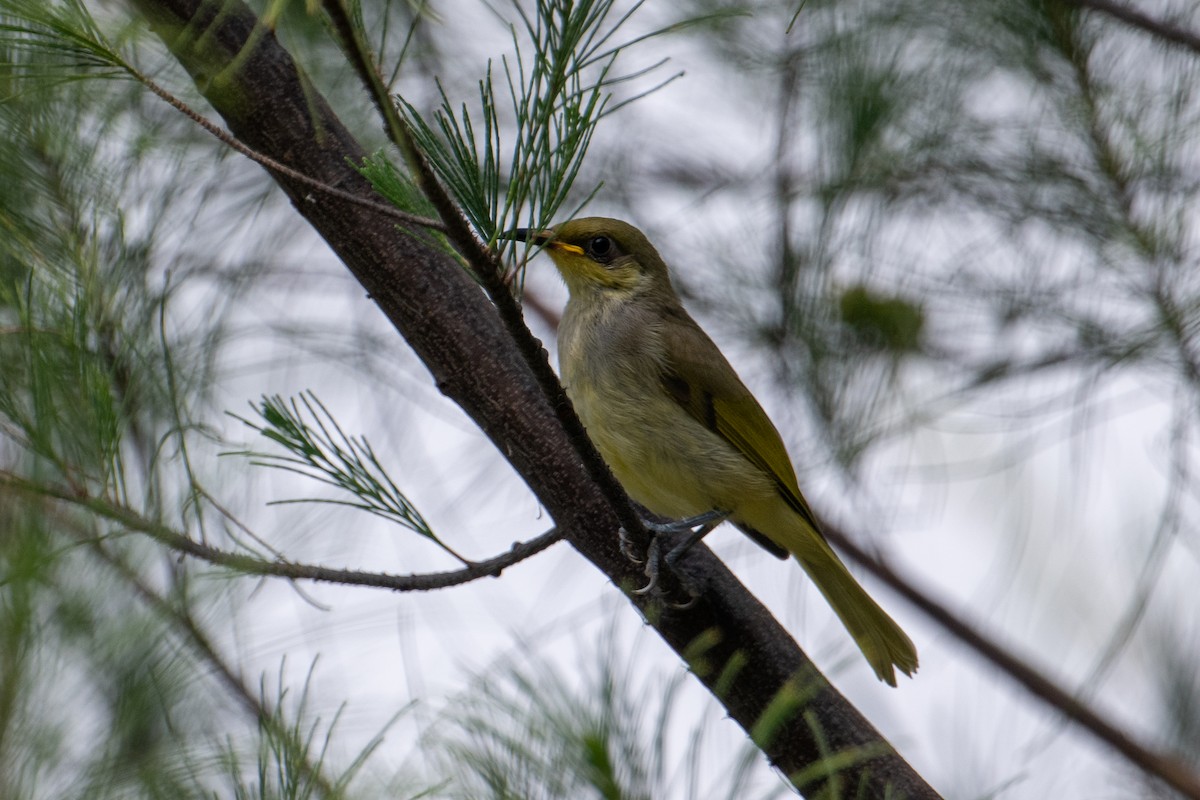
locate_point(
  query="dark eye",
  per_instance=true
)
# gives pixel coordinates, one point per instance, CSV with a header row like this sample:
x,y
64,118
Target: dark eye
x,y
600,248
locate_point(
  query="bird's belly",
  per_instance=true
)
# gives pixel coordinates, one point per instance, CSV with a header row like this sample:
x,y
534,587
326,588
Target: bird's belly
x,y
665,459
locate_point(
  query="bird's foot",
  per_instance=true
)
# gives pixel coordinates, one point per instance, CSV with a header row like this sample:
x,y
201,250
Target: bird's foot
x,y
670,583
696,528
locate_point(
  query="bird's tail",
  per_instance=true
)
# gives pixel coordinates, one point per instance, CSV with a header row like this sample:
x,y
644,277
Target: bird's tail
x,y
878,636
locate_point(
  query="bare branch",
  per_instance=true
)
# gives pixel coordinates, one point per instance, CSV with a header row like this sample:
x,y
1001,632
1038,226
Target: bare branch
x,y
252,565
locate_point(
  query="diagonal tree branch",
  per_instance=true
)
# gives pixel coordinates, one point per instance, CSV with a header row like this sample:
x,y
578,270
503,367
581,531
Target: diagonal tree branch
x,y
730,641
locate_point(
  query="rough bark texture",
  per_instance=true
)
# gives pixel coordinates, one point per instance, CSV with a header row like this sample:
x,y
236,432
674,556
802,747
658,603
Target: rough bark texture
x,y
729,639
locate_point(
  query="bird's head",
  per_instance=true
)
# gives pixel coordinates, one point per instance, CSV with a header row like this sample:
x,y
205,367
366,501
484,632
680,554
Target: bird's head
x,y
600,254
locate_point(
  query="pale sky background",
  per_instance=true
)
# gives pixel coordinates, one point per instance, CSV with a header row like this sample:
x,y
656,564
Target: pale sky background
x,y
1043,555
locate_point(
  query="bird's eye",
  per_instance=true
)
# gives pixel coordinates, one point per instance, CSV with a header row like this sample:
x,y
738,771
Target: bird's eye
x,y
600,247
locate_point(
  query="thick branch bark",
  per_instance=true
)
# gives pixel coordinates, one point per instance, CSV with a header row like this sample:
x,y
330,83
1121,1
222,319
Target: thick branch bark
x,y
730,640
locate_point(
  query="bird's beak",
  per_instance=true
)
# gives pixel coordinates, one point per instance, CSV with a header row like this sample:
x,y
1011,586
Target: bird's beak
x,y
528,235
541,237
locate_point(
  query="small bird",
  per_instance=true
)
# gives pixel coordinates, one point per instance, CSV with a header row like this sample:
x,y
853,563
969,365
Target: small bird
x,y
679,429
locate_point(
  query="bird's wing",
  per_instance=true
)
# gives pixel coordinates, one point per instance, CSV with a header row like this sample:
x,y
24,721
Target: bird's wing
x,y
699,378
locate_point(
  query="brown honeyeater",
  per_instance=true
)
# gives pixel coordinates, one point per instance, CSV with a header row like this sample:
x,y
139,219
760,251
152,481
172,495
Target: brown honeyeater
x,y
679,429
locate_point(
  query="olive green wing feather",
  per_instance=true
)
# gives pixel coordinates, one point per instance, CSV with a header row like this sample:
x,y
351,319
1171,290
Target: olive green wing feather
x,y
699,378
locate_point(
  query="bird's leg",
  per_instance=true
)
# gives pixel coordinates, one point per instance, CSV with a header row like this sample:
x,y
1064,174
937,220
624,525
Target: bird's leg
x,y
697,528
706,522
700,526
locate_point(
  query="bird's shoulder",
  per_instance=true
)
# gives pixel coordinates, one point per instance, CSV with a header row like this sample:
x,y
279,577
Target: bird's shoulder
x,y
694,358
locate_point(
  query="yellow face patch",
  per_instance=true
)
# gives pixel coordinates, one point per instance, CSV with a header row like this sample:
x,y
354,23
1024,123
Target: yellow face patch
x,y
581,272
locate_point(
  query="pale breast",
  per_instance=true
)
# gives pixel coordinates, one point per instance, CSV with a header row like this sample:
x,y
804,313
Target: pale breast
x,y
612,360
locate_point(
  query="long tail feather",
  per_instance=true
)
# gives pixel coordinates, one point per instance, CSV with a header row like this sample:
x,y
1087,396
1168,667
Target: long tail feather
x,y
878,636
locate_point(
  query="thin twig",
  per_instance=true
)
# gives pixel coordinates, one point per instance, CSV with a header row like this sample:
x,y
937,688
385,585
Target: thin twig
x,y
233,142
252,565
1172,771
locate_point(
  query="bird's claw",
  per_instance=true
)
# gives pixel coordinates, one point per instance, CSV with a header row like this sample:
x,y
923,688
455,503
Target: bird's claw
x,y
654,561
693,598
653,557
650,586
630,548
